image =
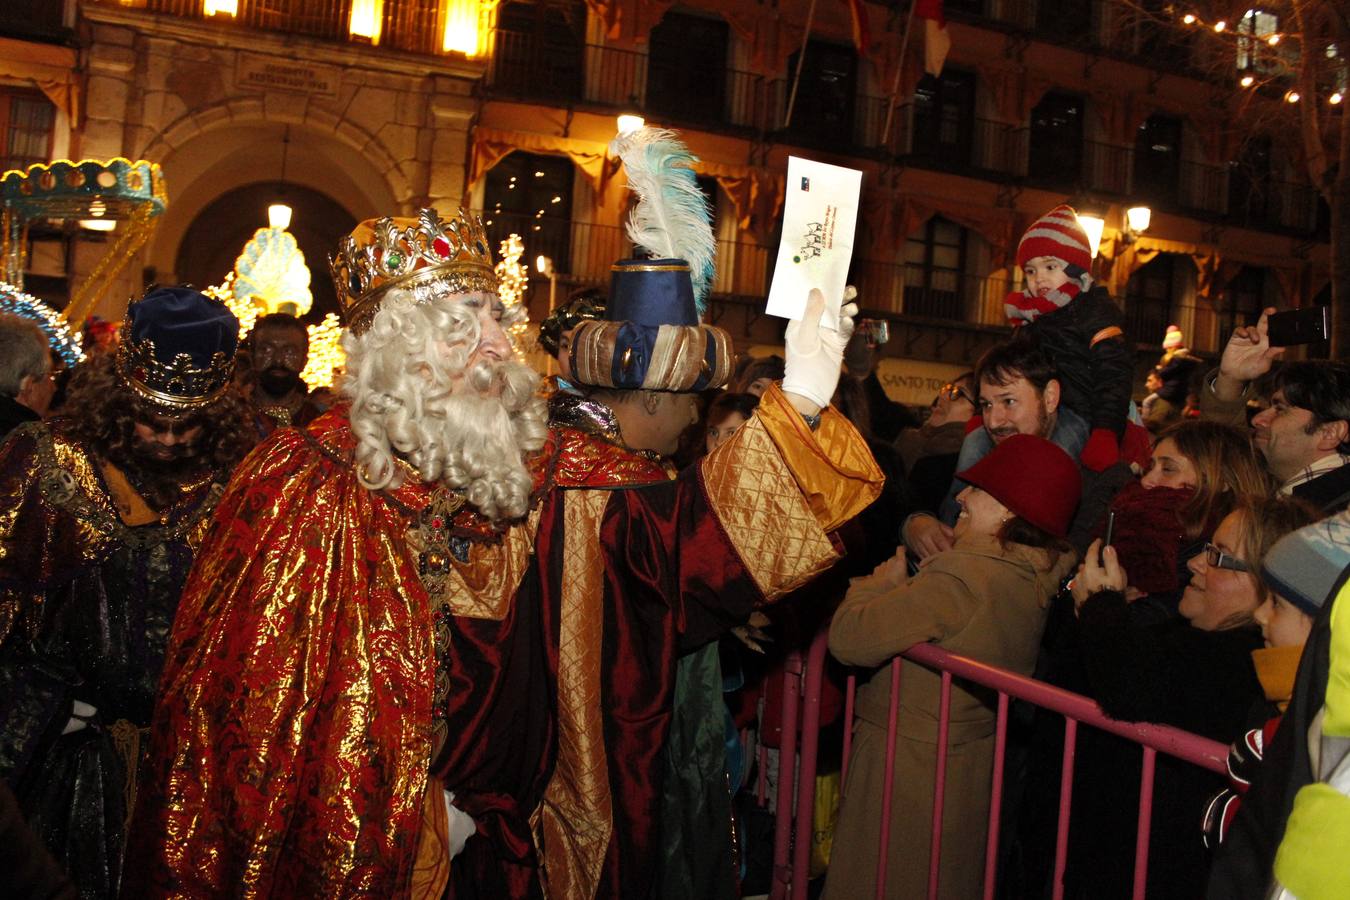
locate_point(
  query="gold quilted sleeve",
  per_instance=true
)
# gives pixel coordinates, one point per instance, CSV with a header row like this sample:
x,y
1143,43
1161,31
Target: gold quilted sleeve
x,y
832,466
778,489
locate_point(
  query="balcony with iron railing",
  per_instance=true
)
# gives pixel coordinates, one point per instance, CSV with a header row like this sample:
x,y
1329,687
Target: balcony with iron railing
x,y
582,253
919,301
414,26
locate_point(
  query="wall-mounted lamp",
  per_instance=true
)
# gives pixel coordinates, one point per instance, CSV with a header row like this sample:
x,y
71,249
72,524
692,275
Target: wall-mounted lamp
x,y
1093,225
1137,220
630,123
544,266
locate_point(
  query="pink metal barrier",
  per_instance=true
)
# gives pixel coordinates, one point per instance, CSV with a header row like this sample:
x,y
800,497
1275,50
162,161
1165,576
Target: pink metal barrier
x,y
801,694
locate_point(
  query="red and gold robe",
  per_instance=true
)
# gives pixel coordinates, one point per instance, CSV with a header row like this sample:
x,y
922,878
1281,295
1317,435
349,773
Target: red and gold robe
x,y
332,668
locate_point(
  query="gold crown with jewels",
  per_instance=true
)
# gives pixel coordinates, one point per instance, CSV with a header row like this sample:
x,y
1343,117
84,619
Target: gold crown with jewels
x,y
427,256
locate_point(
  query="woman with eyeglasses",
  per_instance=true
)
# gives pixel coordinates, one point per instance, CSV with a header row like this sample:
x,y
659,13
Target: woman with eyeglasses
x,y
1194,672
1198,473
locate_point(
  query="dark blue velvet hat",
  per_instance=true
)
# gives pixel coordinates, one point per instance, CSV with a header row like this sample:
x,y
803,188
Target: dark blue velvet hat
x,y
651,337
177,348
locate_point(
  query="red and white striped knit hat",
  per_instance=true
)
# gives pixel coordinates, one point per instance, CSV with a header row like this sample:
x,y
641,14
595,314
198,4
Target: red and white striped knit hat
x,y
1058,234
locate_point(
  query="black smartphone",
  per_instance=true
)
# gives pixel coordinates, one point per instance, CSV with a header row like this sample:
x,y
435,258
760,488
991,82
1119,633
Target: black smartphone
x,y
1110,532
1307,325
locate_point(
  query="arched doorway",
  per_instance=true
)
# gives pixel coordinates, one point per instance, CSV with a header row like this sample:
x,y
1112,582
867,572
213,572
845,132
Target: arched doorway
x,y
219,232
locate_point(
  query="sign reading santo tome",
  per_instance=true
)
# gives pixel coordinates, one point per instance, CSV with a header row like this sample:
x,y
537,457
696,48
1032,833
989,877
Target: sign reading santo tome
x,y
267,73
819,216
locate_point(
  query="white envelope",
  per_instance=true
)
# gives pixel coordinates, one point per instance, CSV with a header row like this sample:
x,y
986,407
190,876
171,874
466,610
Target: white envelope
x,y
820,213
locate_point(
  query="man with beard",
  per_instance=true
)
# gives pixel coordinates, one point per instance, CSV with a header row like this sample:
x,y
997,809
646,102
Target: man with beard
x,y
279,350
424,648
1019,393
103,510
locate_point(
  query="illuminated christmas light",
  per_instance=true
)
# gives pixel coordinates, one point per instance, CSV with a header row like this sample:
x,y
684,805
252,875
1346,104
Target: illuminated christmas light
x,y
1247,81
1220,25
326,356
1291,97
512,278
1273,40
1335,98
1188,19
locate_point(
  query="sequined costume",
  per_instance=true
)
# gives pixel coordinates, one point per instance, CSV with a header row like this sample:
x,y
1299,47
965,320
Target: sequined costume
x,y
89,581
341,655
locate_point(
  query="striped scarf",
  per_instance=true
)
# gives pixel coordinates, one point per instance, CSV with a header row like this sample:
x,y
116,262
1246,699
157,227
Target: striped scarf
x,y
1022,307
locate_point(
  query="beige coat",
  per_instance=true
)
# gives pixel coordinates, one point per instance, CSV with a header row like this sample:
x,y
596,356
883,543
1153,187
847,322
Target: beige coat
x,y
977,600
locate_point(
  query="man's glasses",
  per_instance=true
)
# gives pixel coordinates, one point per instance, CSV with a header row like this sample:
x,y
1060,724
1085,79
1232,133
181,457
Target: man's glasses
x,y
956,392
1221,559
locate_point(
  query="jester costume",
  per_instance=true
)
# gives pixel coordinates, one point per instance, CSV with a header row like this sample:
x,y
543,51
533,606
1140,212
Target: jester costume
x,y
90,578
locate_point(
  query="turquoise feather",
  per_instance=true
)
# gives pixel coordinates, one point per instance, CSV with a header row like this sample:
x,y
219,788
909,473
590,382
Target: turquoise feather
x,y
671,219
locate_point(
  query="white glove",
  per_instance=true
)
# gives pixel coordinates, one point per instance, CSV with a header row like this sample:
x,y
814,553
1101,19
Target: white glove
x,y
814,354
81,713
462,826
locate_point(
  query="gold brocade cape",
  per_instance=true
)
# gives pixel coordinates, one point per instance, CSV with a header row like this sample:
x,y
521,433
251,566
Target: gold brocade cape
x,y
325,640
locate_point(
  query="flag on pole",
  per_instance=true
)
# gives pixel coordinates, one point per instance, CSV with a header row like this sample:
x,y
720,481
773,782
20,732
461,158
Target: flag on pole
x,y
862,35
936,41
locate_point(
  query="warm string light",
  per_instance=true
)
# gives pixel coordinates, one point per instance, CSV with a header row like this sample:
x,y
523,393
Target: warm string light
x,y
1272,40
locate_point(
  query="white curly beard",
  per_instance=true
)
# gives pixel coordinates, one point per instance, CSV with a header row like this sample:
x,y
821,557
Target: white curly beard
x,y
471,430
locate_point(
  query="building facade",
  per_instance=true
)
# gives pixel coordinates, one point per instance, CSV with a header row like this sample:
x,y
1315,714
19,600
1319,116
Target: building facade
x,y
508,107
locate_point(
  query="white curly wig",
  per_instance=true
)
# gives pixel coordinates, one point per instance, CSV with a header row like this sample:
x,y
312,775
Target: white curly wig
x,y
401,378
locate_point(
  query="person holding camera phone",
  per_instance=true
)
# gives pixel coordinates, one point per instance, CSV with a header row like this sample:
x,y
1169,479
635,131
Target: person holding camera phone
x,y
1304,434
1303,437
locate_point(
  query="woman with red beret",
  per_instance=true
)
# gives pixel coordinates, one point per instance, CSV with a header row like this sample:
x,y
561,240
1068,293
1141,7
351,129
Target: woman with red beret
x,y
985,598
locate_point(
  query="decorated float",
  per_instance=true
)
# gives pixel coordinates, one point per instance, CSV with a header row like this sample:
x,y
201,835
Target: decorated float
x,y
117,195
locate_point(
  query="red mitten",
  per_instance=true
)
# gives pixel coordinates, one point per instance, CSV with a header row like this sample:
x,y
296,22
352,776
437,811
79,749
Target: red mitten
x,y
1101,451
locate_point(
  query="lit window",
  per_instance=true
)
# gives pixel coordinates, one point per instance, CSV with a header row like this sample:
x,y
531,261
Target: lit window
x,y
1257,29
462,31
221,8
366,19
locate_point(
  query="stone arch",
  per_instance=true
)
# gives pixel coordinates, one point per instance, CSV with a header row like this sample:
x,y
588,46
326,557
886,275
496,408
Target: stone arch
x,y
213,151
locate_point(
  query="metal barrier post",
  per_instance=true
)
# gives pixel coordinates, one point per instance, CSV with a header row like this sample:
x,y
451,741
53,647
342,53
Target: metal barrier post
x,y
939,784
888,787
1145,823
996,798
787,770
812,682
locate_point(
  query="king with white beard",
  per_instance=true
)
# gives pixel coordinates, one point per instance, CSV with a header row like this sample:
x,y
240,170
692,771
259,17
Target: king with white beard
x,y
428,648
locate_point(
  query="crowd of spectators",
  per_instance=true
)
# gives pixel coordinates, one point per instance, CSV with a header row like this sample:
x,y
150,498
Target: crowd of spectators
x,y
1208,610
